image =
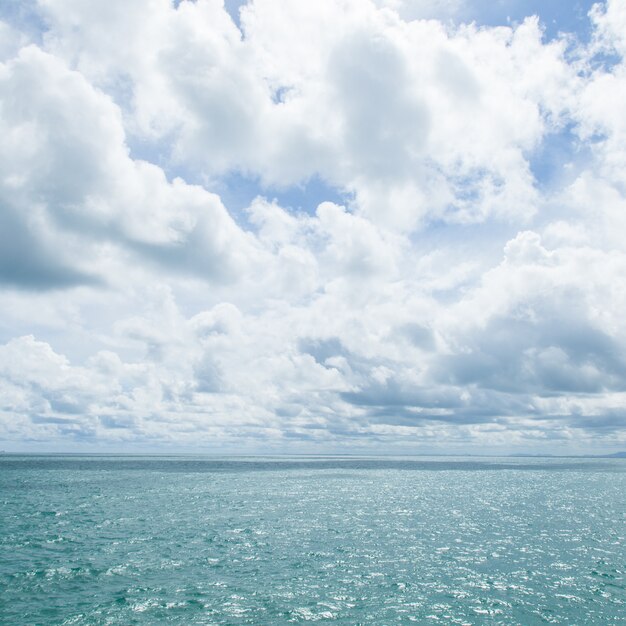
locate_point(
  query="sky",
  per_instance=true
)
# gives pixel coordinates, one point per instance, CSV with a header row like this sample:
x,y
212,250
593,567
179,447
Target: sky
x,y
331,227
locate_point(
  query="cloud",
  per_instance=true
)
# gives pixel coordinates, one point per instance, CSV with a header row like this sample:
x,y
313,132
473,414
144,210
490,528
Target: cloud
x,y
26,261
69,182
413,118
444,291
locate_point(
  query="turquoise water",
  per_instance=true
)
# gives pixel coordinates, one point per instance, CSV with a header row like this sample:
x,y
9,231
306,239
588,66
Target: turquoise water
x,y
179,540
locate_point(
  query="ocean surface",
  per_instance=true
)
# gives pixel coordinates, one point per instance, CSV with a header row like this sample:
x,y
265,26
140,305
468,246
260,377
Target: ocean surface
x,y
198,540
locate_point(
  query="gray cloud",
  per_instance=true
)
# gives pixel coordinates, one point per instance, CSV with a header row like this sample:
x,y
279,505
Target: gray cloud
x,y
28,262
322,349
552,347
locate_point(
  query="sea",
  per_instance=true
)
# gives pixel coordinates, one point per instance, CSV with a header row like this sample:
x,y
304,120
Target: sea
x,y
99,539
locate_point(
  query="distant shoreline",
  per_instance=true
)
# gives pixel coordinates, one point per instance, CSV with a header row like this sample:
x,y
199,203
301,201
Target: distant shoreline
x,y
615,455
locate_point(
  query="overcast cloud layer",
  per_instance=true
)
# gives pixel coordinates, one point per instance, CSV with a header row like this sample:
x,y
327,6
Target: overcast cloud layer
x,y
330,226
